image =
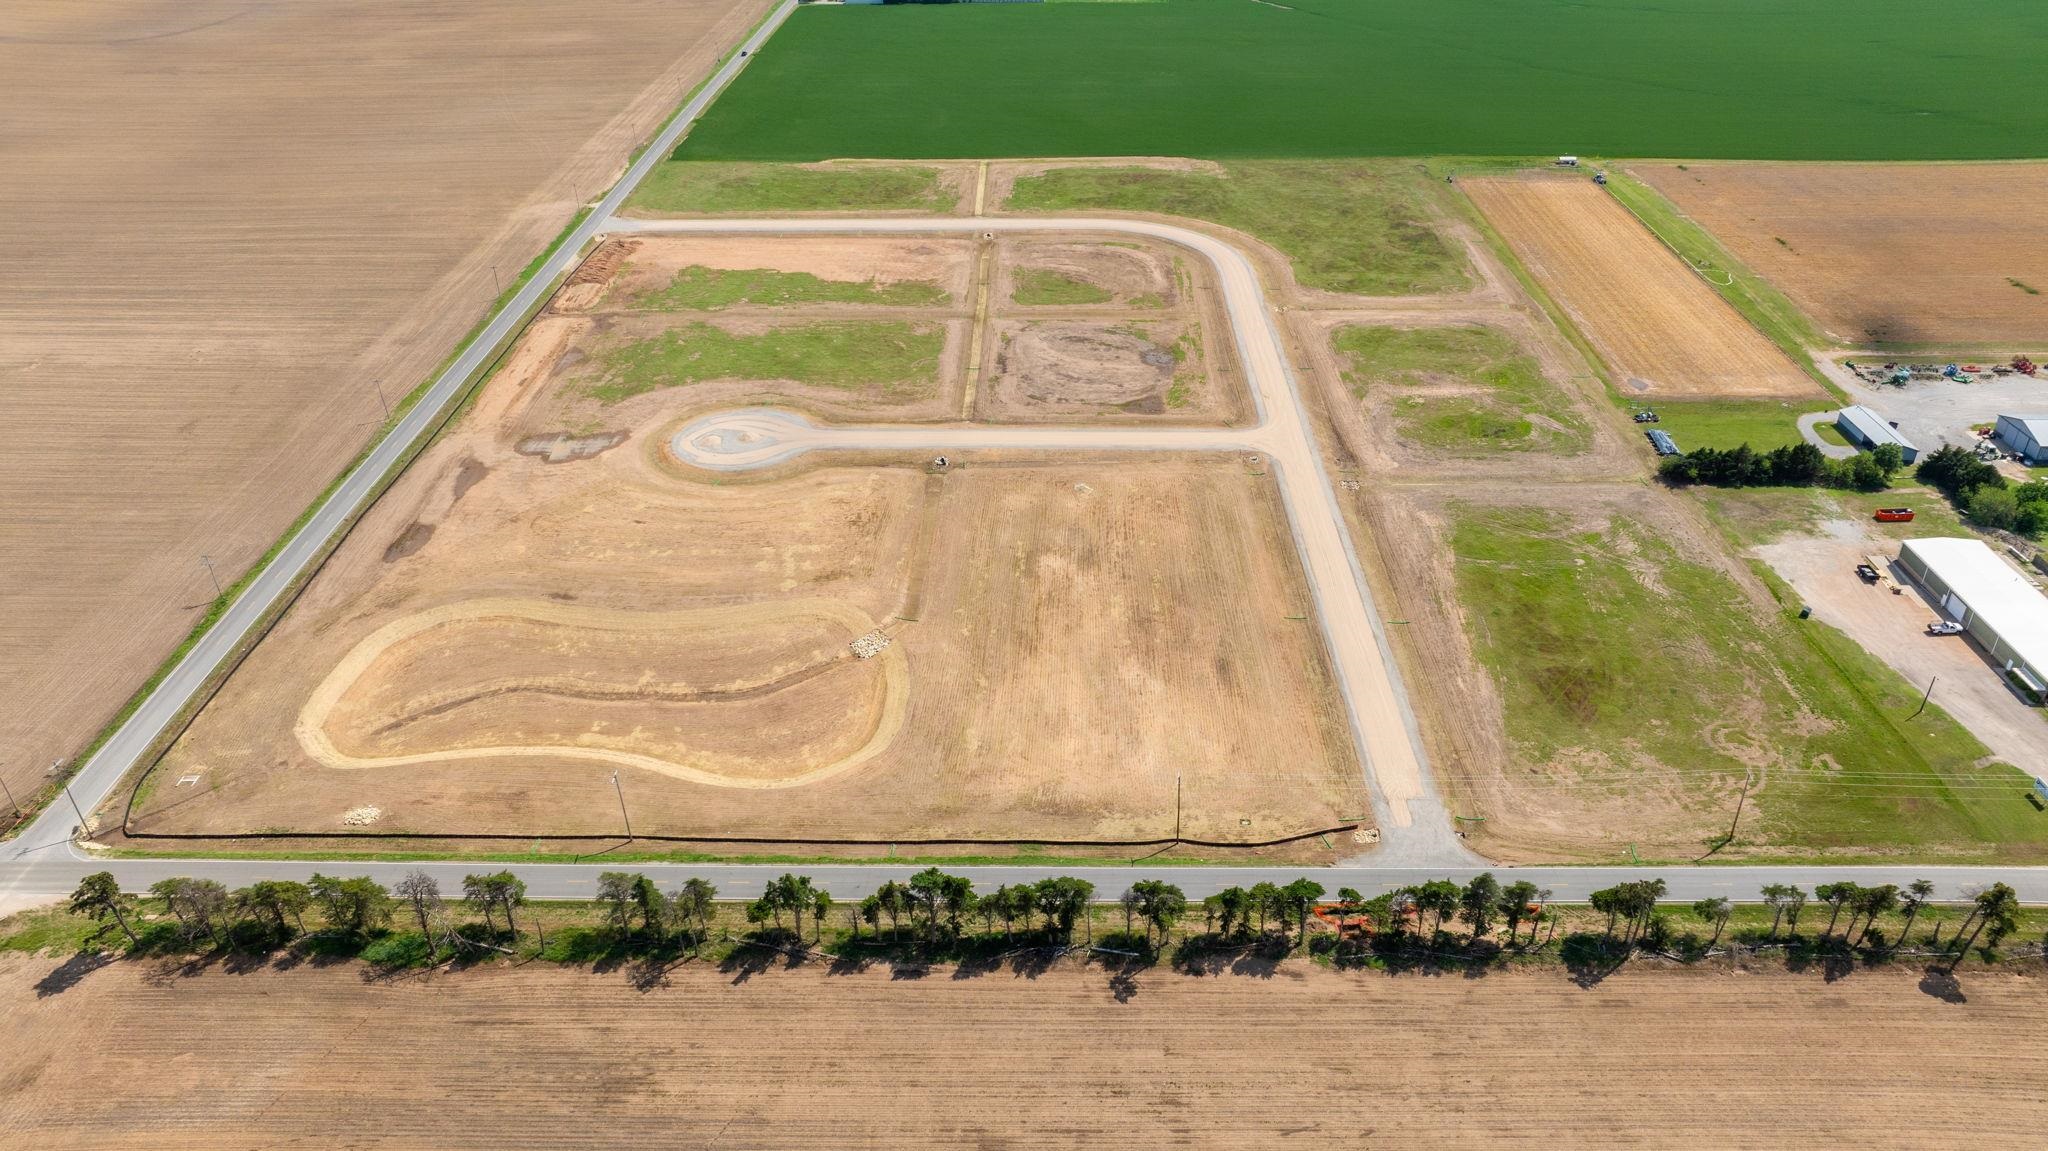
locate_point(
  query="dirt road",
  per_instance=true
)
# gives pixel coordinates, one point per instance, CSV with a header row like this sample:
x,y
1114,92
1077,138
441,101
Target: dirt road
x,y
1415,825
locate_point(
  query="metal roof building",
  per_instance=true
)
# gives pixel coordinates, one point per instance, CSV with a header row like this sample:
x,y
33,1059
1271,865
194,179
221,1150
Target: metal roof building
x,y
1993,602
2024,436
1866,428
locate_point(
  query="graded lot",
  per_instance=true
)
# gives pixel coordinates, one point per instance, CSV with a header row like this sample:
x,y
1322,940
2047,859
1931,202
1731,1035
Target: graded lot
x,y
1661,329
1885,255
1050,647
233,226
1076,1055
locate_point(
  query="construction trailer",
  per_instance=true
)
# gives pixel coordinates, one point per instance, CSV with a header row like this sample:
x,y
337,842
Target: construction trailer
x,y
1997,606
2024,436
1866,429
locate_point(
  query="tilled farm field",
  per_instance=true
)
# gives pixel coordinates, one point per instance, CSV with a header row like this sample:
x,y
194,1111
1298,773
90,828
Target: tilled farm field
x,y
230,225
1885,254
1012,648
761,1058
1659,326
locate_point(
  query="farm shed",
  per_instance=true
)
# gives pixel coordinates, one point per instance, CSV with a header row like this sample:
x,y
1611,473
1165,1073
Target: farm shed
x,y
1993,602
1867,429
2024,436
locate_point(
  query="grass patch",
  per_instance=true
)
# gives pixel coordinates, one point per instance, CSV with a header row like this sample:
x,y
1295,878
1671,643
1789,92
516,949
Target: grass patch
x,y
1518,394
1744,79
1762,424
677,186
1610,647
1360,226
698,288
1044,287
1831,434
1771,311
892,355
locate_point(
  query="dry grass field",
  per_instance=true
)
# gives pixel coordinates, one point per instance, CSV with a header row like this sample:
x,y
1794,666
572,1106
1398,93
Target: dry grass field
x,y
1069,1058
548,596
1661,329
229,222
1889,254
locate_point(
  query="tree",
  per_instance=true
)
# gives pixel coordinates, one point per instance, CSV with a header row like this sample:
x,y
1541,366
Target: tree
x,y
1872,902
1514,903
275,899
1438,897
98,898
1776,897
794,894
1795,902
1478,902
615,892
892,899
821,906
647,899
936,893
1300,898
1957,472
1714,910
1264,898
1837,896
1064,899
1160,903
351,906
421,891
199,905
692,907
1917,894
1233,910
498,890
1131,900
1996,908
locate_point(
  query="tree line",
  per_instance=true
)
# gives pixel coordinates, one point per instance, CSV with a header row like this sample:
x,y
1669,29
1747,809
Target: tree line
x,y
1800,465
1983,492
934,913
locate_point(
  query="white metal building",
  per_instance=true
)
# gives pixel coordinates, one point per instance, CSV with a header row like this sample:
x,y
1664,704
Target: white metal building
x,y
1992,600
2024,436
1866,429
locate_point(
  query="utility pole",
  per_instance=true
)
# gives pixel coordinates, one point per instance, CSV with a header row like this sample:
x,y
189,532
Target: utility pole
x,y
1176,809
10,797
211,574
74,807
497,283
1923,699
622,805
381,401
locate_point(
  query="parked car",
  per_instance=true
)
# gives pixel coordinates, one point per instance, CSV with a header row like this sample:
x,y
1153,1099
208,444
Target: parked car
x,y
1944,627
1868,573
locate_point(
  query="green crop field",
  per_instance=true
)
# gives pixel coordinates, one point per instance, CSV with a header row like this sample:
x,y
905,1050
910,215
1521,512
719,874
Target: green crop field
x,y
1760,79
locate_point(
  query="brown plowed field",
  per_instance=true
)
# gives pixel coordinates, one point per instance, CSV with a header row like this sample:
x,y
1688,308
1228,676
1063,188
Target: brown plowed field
x,y
1887,254
547,596
135,1056
1661,328
228,222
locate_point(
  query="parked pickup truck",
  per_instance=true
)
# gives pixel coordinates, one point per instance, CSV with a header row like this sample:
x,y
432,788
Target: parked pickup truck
x,y
1944,627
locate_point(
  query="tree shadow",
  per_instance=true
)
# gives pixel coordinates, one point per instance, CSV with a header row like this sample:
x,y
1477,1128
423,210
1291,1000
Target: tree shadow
x,y
1590,957
1941,983
69,973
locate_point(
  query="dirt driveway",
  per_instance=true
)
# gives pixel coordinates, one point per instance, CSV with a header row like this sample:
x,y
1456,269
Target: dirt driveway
x,y
1893,628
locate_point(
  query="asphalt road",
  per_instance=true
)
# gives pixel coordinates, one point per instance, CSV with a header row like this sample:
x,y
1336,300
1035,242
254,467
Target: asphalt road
x,y
105,770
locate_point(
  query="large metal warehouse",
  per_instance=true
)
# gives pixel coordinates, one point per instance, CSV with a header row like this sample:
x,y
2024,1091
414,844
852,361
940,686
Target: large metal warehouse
x,y
1993,602
1866,429
2024,436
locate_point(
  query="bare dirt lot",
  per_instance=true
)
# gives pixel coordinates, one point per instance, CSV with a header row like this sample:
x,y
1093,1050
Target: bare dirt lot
x,y
1051,368
801,1058
1123,274
547,596
1661,329
1891,254
230,221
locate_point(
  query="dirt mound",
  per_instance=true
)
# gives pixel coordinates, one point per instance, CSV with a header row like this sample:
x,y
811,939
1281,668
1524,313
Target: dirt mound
x,y
1062,362
587,283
